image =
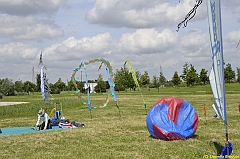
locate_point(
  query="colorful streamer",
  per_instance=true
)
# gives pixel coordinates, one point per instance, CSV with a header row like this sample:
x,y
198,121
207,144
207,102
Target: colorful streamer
x,y
110,82
131,70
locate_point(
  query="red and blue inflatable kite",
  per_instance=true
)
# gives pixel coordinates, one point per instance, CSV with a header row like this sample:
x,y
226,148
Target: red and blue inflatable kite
x,y
172,119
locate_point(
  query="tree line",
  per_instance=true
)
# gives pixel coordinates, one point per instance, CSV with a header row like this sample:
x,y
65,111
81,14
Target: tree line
x,y
123,80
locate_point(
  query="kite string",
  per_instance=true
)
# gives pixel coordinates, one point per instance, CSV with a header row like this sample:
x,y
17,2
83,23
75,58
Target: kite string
x,y
190,15
238,45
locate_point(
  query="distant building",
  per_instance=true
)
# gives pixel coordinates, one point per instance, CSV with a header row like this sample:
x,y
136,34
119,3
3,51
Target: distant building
x,y
91,85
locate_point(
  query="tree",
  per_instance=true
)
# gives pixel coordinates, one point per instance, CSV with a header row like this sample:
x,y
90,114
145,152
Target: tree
x,y
70,85
162,79
176,79
203,76
123,79
155,81
185,72
189,74
60,85
120,80
238,75
53,89
38,83
144,79
128,79
29,87
91,81
18,86
6,86
100,85
192,76
138,76
106,84
229,73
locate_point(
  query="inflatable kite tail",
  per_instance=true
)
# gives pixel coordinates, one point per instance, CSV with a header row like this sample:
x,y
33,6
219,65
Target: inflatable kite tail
x,y
104,105
90,114
89,107
77,91
145,106
118,107
94,106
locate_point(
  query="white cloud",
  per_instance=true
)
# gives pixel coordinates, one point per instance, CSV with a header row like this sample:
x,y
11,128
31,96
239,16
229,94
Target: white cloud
x,y
27,28
17,59
30,7
233,35
141,31
79,48
22,20
145,41
232,6
140,14
141,45
193,42
18,52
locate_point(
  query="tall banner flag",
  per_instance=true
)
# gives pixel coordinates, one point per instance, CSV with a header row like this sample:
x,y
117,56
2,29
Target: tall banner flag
x,y
217,72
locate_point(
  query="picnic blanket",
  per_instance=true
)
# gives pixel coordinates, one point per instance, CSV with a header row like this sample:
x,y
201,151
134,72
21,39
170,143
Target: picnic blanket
x,y
24,130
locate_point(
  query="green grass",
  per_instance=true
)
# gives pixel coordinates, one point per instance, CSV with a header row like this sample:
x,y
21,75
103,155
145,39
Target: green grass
x,y
112,134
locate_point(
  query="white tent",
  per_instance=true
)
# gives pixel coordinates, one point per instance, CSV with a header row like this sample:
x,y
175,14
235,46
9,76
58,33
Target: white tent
x,y
91,85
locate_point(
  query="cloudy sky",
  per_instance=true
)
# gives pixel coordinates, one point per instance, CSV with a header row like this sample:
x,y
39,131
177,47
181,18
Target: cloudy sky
x,y
141,31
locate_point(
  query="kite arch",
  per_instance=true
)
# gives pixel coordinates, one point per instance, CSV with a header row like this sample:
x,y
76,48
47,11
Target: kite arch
x,y
131,70
111,83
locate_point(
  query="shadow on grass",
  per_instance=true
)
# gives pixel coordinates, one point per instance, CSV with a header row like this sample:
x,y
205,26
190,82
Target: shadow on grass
x,y
194,136
218,147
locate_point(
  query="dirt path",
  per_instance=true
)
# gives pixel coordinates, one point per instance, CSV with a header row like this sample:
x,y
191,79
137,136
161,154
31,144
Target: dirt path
x,y
11,103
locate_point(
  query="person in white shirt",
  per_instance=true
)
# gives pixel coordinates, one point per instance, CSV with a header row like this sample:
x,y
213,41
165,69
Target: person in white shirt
x,y
46,121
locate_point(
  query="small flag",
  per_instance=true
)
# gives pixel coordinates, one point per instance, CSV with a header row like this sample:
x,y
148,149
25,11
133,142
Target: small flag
x,y
204,111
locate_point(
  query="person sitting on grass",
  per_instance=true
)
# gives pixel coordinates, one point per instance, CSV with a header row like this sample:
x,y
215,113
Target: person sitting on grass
x,y
46,121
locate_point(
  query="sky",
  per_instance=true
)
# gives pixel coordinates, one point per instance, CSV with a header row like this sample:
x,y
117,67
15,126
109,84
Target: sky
x,y
68,32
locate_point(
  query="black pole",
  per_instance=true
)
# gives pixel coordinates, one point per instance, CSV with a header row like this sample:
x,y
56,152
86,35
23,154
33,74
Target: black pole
x,y
81,77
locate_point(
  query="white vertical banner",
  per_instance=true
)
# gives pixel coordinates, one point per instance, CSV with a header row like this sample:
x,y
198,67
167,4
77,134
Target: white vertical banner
x,y
216,48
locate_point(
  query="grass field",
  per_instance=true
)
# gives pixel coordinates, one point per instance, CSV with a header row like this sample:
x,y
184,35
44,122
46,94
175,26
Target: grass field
x,y
113,134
